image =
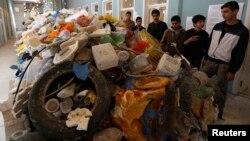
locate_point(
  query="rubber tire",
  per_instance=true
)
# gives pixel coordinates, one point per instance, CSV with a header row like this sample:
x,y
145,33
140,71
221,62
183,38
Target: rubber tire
x,y
47,124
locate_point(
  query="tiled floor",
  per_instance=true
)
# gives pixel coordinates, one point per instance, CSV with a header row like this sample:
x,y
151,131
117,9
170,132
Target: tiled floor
x,y
237,110
7,57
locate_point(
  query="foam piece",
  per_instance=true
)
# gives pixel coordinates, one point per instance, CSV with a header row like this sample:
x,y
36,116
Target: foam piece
x,y
83,124
72,122
79,117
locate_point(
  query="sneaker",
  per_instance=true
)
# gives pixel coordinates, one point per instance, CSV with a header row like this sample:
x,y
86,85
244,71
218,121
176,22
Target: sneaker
x,y
221,118
220,115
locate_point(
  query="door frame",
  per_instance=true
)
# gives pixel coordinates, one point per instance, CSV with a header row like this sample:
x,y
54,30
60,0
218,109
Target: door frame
x,y
146,7
92,11
4,27
104,11
120,9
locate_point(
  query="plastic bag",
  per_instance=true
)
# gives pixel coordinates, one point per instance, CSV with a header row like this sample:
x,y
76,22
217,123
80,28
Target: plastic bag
x,y
83,21
114,40
119,39
68,26
155,55
154,49
145,36
64,34
107,39
109,17
140,46
204,92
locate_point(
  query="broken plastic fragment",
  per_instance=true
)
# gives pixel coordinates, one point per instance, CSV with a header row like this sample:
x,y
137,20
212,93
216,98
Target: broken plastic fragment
x,y
83,93
81,71
67,92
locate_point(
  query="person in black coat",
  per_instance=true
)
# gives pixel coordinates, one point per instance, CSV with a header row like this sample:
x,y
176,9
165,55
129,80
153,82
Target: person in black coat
x,y
196,41
157,27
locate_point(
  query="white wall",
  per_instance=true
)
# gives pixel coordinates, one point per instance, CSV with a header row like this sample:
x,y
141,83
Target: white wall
x,y
242,80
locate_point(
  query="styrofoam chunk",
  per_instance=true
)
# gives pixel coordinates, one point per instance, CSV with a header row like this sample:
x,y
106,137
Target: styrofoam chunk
x,y
72,122
83,124
84,112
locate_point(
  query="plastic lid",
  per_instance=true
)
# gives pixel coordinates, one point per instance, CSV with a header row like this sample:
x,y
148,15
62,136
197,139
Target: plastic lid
x,y
18,134
123,55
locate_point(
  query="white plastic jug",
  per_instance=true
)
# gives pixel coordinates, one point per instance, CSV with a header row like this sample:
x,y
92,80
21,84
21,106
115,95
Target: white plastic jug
x,y
168,64
105,56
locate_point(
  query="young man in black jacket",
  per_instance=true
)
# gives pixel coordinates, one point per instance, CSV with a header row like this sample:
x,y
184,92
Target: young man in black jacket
x,y
228,43
196,41
157,27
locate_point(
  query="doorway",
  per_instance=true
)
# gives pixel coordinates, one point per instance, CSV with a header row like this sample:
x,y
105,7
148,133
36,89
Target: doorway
x,y
150,5
3,35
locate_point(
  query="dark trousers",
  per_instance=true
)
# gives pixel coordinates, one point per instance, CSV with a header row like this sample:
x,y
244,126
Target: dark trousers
x,y
220,70
195,63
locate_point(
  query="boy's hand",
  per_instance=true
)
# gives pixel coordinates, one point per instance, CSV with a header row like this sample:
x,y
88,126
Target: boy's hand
x,y
194,38
191,39
204,62
230,76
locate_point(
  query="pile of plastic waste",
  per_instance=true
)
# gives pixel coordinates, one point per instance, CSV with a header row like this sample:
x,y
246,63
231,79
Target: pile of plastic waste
x,y
145,83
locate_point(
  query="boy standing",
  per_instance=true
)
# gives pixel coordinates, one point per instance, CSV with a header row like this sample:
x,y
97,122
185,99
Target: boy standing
x,y
228,43
157,27
173,37
138,25
129,23
196,41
